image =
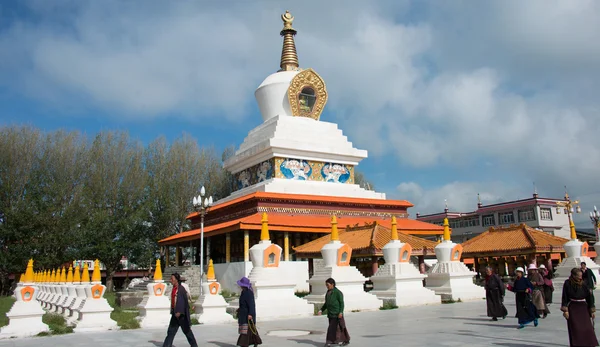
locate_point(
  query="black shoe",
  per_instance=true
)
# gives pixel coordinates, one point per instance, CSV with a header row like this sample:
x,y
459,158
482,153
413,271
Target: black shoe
x,y
495,319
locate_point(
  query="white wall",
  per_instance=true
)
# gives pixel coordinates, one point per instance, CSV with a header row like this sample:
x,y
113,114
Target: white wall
x,y
229,273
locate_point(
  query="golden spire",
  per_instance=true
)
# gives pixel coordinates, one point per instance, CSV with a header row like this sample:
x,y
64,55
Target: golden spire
x,y
210,273
158,271
289,57
85,274
22,278
63,275
77,275
264,230
446,230
29,272
53,276
394,228
45,276
70,275
96,276
334,231
573,232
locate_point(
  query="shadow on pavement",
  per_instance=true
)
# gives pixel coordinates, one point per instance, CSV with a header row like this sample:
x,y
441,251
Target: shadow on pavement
x,y
156,343
221,344
308,342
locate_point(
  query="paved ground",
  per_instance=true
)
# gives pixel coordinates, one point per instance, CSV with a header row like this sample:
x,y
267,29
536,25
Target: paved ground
x,y
456,324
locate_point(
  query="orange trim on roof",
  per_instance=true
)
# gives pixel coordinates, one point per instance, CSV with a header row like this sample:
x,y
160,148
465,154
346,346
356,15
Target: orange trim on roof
x,y
304,223
308,198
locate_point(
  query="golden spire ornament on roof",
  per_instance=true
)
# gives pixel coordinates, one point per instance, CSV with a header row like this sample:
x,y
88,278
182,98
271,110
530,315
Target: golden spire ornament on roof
x,y
289,57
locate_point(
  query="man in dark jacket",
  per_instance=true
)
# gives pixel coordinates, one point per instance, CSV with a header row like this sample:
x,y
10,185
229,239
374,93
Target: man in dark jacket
x,y
180,313
589,279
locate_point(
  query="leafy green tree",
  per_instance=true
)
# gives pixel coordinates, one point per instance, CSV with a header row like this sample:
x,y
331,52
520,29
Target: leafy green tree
x,y
362,181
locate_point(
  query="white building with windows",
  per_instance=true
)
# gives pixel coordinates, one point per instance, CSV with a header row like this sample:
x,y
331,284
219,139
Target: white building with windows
x,y
536,212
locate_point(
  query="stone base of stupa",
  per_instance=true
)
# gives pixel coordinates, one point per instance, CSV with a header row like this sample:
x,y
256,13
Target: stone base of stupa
x,y
563,271
212,308
155,312
597,249
275,296
401,284
350,282
453,281
94,315
25,319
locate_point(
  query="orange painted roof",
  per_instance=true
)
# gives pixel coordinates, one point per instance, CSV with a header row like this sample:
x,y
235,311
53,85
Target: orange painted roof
x,y
513,239
373,236
304,223
302,197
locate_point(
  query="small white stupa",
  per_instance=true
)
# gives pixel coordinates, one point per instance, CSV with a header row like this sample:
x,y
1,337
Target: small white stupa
x,y
25,316
155,308
399,281
211,307
577,252
94,313
449,277
348,279
273,286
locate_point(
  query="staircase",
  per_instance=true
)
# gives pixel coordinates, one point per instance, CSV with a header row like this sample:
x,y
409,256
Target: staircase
x,y
191,274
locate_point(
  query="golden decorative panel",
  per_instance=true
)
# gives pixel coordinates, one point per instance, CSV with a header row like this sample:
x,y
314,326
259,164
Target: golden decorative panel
x,y
307,94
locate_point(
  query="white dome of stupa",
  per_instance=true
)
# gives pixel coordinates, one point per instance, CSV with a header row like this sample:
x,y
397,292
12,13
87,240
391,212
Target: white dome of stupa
x,y
272,95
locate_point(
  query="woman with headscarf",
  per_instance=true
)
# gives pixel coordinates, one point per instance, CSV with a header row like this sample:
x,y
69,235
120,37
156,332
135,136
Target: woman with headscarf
x,y
526,311
180,313
579,310
548,285
538,290
247,316
334,305
494,295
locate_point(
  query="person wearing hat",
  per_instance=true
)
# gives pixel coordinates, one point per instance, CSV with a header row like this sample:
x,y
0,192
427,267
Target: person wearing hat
x,y
548,285
247,316
538,290
522,287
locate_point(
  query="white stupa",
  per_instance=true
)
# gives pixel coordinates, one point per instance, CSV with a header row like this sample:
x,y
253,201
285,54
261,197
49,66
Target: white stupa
x,y
449,277
94,313
155,308
211,307
25,316
273,286
399,281
577,252
292,151
348,279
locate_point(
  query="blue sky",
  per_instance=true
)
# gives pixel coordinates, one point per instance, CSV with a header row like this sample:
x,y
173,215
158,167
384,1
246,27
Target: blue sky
x,y
450,99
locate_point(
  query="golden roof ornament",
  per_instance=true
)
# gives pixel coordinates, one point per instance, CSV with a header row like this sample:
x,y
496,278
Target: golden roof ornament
x,y
289,57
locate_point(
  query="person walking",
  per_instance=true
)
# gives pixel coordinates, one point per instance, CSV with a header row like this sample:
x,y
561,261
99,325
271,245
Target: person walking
x,y
548,285
247,316
494,295
334,306
538,290
180,313
526,311
589,279
579,310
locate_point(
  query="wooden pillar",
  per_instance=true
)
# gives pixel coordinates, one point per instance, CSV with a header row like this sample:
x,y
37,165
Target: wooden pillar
x,y
476,265
246,246
374,265
422,264
167,260
549,262
228,247
286,246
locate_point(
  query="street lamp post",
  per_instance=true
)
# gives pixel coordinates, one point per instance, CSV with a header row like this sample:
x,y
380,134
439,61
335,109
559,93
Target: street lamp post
x,y
201,205
595,218
572,207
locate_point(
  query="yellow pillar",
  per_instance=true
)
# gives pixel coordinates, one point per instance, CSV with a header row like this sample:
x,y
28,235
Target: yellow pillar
x,y
167,256
246,246
286,246
177,255
228,247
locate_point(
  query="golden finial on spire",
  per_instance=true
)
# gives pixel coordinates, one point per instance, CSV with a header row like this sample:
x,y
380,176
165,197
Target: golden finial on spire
x,y
446,230
96,276
63,275
573,232
334,230
29,272
289,57
210,273
264,230
158,276
70,275
394,228
77,275
85,274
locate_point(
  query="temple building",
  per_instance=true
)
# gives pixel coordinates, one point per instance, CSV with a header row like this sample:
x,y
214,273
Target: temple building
x,y
297,168
539,213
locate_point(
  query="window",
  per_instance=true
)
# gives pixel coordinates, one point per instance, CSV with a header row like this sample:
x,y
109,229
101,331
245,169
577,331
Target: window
x,y
471,222
545,213
488,220
506,217
307,99
526,215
